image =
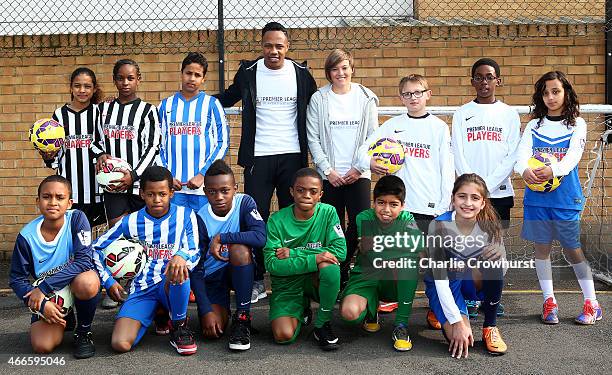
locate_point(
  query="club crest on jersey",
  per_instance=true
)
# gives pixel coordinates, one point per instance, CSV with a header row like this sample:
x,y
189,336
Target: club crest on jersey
x,y
338,230
84,237
256,215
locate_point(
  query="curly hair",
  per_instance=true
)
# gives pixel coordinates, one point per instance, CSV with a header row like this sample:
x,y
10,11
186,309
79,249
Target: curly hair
x,y
571,105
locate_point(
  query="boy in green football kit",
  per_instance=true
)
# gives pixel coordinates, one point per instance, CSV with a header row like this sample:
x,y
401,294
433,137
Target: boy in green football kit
x,y
303,252
384,270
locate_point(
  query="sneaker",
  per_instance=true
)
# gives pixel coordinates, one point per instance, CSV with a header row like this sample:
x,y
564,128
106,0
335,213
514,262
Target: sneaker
x,y
307,317
191,297
259,291
590,313
240,334
387,307
181,338
162,322
550,312
326,337
432,321
108,303
500,310
83,345
472,308
70,321
493,341
371,324
401,339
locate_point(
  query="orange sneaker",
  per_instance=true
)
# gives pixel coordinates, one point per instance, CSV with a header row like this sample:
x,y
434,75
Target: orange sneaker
x,y
493,341
387,307
432,321
191,297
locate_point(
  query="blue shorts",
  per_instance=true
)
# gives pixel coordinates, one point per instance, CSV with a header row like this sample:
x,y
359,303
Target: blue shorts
x,y
141,306
434,301
217,287
542,225
193,201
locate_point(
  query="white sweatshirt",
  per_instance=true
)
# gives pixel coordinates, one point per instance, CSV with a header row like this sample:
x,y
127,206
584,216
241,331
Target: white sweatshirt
x,y
428,170
485,138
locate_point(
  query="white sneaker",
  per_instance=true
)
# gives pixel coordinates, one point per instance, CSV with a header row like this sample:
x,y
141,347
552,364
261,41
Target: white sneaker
x,y
108,303
259,291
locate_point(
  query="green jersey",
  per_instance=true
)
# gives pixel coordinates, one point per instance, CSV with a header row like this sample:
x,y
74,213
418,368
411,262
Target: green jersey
x,y
400,239
305,239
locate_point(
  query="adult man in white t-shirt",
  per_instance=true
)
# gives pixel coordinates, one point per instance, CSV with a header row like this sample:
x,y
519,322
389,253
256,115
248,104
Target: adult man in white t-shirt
x,y
275,93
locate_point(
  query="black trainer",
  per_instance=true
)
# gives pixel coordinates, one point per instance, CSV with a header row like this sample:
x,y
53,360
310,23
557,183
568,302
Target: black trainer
x,y
181,338
307,316
70,321
240,334
326,337
83,345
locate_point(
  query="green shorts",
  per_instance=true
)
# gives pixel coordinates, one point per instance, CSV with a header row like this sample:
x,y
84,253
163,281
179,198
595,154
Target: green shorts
x,y
372,290
291,295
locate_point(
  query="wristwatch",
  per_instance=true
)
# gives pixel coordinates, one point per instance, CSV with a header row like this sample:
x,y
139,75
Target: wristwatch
x,y
327,171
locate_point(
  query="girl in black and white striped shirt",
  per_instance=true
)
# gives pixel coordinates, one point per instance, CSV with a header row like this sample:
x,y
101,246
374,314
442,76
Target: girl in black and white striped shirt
x,y
129,130
74,160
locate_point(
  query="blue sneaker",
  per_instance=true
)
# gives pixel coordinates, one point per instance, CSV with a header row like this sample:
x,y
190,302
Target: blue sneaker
x,y
500,310
550,312
590,313
472,307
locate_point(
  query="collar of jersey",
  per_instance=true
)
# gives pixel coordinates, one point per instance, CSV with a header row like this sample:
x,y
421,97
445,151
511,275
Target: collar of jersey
x,y
57,236
227,216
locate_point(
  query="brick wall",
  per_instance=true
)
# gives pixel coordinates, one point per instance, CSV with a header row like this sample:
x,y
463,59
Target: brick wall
x,y
447,9
32,87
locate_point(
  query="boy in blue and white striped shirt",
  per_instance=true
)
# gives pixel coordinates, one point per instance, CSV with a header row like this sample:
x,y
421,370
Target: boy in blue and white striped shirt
x,y
169,234
194,133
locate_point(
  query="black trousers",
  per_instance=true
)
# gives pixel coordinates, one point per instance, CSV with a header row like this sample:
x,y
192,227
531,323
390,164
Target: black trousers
x,y
269,173
348,199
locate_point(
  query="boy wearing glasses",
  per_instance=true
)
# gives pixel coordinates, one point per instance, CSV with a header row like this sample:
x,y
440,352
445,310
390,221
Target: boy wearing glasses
x,y
486,133
428,171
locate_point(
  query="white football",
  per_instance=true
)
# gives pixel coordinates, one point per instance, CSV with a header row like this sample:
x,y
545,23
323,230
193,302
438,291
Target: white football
x,y
125,259
63,298
111,170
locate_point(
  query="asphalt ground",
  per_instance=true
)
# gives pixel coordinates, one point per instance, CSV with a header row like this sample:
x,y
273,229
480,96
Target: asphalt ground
x,y
534,348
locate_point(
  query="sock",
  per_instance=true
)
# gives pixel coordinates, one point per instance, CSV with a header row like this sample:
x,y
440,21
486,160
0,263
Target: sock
x,y
492,285
242,281
468,290
406,285
178,296
492,289
544,271
85,311
329,287
585,279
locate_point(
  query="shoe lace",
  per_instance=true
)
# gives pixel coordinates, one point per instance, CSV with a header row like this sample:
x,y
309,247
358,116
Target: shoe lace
x,y
82,338
400,332
328,333
549,306
588,309
492,334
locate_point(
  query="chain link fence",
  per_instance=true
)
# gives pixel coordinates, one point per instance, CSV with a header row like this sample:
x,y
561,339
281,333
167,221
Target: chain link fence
x,y
156,26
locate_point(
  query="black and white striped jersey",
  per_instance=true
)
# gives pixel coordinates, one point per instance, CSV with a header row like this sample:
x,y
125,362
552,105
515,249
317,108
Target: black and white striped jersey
x,y
129,131
74,160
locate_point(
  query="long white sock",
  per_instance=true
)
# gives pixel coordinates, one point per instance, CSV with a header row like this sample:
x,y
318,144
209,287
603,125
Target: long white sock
x,y
585,279
544,271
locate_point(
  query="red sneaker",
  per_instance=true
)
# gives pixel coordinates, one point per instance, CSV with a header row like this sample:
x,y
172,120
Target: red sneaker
x,y
191,297
387,307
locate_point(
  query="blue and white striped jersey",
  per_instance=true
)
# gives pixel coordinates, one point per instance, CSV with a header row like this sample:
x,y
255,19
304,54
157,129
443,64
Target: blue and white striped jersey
x,y
552,136
194,134
176,233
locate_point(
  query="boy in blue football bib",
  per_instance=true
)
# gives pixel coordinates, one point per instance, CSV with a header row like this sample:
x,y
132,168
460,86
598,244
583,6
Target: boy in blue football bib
x,y
55,249
232,228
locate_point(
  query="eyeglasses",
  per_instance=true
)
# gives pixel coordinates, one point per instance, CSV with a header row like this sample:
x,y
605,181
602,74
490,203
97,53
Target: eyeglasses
x,y
488,78
410,95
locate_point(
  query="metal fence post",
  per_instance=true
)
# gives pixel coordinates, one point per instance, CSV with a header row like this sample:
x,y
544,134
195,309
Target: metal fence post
x,y
220,45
